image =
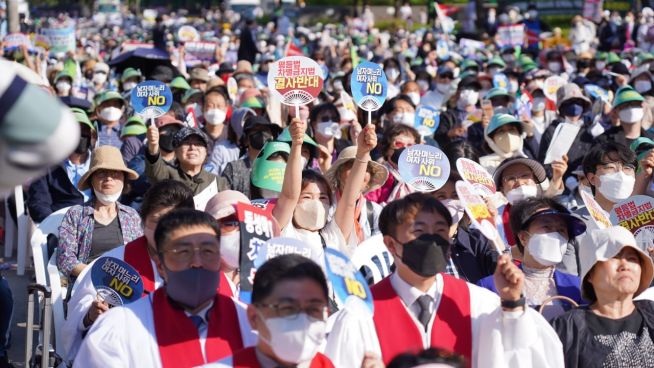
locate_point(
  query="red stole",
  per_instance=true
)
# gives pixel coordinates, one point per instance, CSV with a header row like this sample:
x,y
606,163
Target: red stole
x,y
223,287
507,225
179,340
398,333
247,358
137,256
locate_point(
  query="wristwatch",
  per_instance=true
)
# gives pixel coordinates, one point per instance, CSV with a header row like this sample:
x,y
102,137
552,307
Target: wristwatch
x,y
510,304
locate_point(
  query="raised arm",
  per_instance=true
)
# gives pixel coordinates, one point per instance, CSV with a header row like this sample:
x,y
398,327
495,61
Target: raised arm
x,y
344,216
292,186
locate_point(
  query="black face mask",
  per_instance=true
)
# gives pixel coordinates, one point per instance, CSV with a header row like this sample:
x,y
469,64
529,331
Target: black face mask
x,y
166,135
426,255
395,157
83,145
259,139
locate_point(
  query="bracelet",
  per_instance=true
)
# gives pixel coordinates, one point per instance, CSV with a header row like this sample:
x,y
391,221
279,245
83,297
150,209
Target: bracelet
x,y
510,304
361,160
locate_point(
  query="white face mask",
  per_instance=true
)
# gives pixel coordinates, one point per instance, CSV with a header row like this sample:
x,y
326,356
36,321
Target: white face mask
x,y
642,86
99,78
111,113
547,249
406,118
215,116
522,192
455,208
617,186
295,339
442,87
63,86
415,97
330,129
508,141
269,194
600,65
554,66
230,249
631,115
538,105
468,97
108,199
311,214
128,86
392,74
303,162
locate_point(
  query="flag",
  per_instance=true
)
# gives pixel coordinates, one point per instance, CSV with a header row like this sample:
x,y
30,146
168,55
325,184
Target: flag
x,y
190,120
293,48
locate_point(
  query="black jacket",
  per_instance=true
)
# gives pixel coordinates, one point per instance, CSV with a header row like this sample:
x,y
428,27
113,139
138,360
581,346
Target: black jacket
x,y
51,193
473,255
616,134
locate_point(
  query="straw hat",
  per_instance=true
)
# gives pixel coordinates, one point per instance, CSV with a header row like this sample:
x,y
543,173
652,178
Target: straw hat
x,y
377,178
106,158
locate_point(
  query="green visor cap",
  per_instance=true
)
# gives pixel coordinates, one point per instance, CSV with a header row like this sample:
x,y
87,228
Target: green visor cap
x,y
133,129
268,174
82,118
253,103
641,146
190,93
469,63
626,94
64,73
285,136
180,83
497,61
499,120
613,58
108,96
130,73
496,92
645,57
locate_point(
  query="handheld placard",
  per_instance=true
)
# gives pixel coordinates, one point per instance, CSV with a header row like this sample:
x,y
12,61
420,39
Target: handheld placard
x,y
296,80
425,168
477,176
349,285
369,87
427,120
151,99
115,281
478,212
636,214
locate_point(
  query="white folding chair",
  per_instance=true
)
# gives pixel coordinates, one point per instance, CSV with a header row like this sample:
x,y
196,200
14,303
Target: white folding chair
x,y
372,259
58,296
10,232
39,243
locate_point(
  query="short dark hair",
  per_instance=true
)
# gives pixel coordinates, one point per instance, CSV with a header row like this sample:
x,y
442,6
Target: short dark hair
x,y
390,104
393,131
521,211
286,267
401,210
328,106
180,218
166,193
312,176
457,149
219,90
431,355
614,150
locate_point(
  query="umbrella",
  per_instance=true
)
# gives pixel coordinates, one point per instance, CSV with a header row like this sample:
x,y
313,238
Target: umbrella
x,y
144,59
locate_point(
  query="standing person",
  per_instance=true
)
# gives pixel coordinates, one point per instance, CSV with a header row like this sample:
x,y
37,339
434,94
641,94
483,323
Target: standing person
x,y
247,49
614,330
419,307
84,308
101,224
186,322
289,311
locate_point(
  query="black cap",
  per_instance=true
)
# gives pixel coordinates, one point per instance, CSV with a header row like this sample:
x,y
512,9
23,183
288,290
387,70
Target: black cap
x,y
225,67
186,132
254,121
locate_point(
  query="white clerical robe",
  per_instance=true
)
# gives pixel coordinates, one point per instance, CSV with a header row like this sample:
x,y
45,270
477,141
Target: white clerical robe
x,y
125,337
499,338
83,294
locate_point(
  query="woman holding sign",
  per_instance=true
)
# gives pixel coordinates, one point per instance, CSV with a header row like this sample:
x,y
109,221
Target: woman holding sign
x,y
303,205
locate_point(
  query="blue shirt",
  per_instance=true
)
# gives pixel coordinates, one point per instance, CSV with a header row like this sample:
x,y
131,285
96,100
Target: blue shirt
x,y
75,173
109,136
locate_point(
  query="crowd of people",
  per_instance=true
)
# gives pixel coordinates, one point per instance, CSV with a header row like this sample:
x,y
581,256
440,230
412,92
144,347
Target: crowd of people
x,y
566,290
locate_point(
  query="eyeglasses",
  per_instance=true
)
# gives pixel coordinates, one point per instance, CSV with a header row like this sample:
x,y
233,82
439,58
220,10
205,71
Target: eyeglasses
x,y
209,252
614,167
194,142
317,310
523,178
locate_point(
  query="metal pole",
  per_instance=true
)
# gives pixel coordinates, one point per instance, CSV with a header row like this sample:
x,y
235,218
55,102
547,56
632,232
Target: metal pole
x,y
12,16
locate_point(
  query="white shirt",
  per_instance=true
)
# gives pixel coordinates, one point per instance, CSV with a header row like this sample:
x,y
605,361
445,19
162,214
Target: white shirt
x,y
331,234
82,296
499,339
125,337
409,296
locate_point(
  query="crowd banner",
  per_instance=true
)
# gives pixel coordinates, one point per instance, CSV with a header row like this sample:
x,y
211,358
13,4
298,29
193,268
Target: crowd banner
x,y
197,52
60,40
513,35
636,214
425,168
115,281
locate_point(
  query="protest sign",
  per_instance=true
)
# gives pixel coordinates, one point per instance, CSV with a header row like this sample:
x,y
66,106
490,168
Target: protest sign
x,y
469,47
116,282
563,138
442,50
201,199
551,85
369,86
232,88
512,35
266,204
14,41
475,175
350,288
196,52
256,227
372,259
295,80
425,168
187,34
599,216
597,92
60,40
278,246
426,120
477,211
523,104
151,99
636,214
500,80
